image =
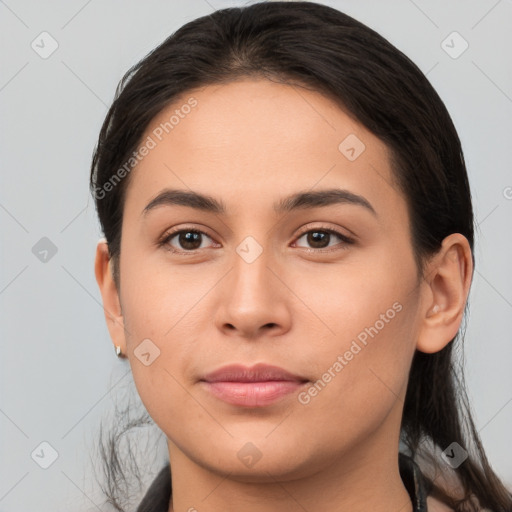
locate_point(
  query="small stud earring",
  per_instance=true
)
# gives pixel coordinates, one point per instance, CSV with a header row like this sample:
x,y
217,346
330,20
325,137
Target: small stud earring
x,y
118,350
435,309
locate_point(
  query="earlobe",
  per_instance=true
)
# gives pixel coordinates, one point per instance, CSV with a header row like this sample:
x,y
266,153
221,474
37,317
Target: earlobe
x,y
435,310
445,293
109,293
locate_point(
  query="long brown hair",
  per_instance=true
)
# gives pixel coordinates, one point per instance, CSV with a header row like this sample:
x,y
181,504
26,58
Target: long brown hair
x,y
325,50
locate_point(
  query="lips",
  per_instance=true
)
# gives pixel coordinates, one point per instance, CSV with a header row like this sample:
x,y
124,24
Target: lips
x,y
257,373
255,386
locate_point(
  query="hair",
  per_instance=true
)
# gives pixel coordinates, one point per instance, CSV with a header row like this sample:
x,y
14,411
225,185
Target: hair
x,y
311,45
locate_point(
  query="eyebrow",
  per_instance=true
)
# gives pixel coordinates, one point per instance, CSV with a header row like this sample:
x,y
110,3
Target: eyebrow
x,y
298,201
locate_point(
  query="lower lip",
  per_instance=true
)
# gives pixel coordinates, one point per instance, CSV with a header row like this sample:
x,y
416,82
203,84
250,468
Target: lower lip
x,y
252,394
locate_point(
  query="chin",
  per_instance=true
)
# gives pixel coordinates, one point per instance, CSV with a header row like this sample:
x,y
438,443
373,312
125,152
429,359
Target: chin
x,y
261,460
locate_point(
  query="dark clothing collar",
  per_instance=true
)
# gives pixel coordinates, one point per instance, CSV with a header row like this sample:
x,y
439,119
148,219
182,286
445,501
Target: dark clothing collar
x,y
158,496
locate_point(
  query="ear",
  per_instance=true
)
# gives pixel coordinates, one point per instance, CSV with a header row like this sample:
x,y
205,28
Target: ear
x,y
110,294
445,292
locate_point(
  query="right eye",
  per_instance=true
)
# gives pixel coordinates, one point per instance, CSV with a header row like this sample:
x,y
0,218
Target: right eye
x,y
184,240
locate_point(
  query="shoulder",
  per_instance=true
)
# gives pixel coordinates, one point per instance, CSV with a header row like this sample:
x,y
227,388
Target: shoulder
x,y
435,505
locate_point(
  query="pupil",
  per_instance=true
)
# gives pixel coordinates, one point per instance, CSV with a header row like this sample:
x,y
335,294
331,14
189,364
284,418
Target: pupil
x,y
189,239
317,236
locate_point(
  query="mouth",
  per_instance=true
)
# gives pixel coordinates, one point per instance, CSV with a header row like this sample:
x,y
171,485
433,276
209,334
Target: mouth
x,y
255,386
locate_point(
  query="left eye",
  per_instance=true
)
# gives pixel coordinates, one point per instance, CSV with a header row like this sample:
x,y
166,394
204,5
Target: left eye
x,y
321,238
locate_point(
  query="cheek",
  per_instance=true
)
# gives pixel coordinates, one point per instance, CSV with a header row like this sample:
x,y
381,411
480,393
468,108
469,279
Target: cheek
x,y
363,357
163,319
363,298
360,382
159,297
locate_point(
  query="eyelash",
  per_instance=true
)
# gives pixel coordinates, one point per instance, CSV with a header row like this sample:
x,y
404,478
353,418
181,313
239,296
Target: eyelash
x,y
345,239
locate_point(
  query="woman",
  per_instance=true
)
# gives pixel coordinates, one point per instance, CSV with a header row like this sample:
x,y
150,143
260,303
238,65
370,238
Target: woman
x,y
288,256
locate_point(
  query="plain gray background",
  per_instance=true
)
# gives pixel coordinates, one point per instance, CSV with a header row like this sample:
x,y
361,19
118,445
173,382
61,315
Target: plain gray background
x,y
59,373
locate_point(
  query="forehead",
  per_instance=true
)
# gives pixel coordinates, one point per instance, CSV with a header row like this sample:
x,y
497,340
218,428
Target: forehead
x,y
259,136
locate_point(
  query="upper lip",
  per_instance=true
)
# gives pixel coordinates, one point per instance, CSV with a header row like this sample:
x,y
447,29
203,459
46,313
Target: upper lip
x,y
258,373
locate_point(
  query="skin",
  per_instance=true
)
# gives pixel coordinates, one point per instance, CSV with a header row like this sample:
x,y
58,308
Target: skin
x,y
249,144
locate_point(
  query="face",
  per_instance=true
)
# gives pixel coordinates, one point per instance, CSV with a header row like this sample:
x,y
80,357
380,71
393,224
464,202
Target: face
x,y
322,285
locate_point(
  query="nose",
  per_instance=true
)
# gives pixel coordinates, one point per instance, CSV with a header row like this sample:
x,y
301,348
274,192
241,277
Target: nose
x,y
253,299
